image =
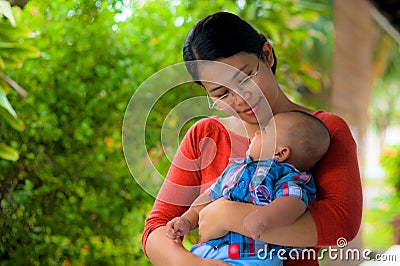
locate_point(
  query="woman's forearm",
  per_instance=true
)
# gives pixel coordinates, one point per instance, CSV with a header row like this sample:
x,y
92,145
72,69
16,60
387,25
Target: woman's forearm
x,y
300,233
164,251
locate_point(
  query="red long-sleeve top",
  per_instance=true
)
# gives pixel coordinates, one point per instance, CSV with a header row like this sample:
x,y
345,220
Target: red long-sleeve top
x,y
204,154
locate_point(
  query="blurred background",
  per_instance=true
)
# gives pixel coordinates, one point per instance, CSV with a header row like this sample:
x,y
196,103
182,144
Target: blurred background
x,y
69,68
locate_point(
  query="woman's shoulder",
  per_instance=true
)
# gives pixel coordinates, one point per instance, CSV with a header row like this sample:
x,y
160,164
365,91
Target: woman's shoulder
x,y
207,124
207,127
332,121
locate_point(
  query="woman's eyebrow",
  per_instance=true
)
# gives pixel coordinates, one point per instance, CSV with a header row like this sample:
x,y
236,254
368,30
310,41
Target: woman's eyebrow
x,y
215,88
240,70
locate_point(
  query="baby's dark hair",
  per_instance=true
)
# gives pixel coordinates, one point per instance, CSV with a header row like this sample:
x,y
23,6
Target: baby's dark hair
x,y
310,137
221,35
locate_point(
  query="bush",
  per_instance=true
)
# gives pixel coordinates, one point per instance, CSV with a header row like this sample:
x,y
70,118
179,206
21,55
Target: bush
x,y
70,197
391,165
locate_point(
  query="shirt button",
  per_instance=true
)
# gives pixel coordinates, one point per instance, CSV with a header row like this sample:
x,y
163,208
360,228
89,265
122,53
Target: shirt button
x,y
242,184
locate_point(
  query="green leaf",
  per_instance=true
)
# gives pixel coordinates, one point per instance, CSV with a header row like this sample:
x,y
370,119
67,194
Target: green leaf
x,y
8,114
14,122
20,50
2,64
6,45
10,62
8,153
9,33
14,85
5,9
6,104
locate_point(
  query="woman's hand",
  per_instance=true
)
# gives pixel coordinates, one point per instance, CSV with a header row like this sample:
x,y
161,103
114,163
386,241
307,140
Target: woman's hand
x,y
253,226
212,220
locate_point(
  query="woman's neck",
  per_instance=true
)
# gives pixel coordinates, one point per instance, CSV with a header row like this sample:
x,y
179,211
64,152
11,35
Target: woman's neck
x,y
283,104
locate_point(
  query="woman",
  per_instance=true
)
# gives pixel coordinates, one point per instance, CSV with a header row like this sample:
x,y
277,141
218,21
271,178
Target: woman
x,y
228,40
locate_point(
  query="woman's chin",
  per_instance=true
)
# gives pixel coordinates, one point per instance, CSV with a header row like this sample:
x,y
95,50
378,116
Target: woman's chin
x,y
260,113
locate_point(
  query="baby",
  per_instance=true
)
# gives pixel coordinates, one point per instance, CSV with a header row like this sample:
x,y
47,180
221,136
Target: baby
x,y
272,174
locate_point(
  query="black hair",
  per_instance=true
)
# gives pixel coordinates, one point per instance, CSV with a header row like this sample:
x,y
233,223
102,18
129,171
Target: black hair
x,y
221,35
322,124
312,138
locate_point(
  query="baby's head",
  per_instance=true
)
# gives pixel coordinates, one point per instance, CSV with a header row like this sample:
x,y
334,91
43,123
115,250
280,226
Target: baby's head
x,y
297,138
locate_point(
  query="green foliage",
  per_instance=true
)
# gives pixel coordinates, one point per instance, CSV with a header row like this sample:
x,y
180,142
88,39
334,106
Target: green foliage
x,y
385,103
13,52
391,165
289,25
379,230
5,10
70,198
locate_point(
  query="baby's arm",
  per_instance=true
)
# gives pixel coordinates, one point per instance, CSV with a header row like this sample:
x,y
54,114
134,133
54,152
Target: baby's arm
x,y
280,212
179,226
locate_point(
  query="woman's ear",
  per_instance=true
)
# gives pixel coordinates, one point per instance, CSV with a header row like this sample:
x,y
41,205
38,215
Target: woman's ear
x,y
268,54
282,154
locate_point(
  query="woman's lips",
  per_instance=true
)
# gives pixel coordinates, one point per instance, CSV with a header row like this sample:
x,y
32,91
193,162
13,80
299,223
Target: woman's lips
x,y
251,110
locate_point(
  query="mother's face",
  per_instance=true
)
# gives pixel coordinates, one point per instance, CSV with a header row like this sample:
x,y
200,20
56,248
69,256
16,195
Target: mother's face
x,y
241,85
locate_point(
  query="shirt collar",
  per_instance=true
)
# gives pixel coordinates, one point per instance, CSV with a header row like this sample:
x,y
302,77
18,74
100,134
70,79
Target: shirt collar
x,y
249,160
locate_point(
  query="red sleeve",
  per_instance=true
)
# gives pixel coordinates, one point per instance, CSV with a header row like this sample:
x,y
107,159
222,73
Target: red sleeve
x,y
338,209
194,168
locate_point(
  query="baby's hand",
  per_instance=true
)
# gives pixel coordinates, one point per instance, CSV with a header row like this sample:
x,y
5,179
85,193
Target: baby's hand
x,y
177,227
253,226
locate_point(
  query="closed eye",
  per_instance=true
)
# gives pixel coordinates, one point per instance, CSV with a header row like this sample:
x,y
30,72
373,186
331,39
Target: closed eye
x,y
225,93
245,79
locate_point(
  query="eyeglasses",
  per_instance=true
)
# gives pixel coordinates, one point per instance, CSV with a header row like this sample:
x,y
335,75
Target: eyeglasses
x,y
245,88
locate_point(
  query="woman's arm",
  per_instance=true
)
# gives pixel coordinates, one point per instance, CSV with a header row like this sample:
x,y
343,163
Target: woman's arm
x,y
280,212
211,224
194,168
338,210
164,251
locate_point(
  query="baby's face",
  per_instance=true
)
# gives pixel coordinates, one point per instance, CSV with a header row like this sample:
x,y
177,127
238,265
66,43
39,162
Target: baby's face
x,y
275,134
262,145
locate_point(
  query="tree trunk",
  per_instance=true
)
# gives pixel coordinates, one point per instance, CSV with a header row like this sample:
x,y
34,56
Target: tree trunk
x,y
20,3
352,76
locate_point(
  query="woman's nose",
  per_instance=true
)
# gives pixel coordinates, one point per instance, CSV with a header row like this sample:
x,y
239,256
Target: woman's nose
x,y
240,98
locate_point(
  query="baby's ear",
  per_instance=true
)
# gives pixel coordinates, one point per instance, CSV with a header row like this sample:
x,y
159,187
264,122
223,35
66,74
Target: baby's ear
x,y
282,154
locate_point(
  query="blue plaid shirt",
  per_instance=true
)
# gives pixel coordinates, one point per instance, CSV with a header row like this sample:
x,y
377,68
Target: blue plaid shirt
x,y
259,182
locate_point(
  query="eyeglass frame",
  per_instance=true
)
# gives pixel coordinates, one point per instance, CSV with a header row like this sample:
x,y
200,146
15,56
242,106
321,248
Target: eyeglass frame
x,y
213,103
